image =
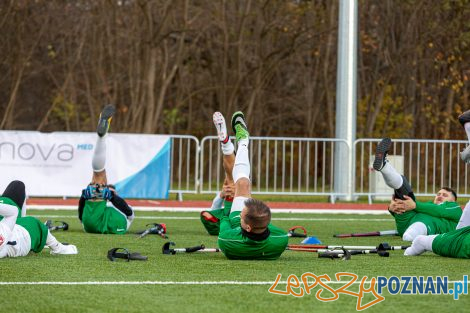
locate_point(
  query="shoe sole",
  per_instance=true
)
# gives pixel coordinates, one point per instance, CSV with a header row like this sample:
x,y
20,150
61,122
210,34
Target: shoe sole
x,y
219,119
103,122
464,117
382,148
465,155
235,121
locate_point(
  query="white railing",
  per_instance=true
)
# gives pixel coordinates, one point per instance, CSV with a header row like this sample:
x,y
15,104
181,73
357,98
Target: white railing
x,y
184,171
427,164
305,166
279,165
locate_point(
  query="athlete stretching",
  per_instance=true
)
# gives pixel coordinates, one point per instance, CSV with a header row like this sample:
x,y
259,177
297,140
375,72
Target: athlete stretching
x,y
100,209
455,243
222,202
20,235
414,218
247,233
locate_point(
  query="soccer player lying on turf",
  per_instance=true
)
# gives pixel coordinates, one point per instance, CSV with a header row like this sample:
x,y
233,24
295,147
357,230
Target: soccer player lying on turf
x,y
455,243
414,218
221,205
100,209
222,202
247,233
19,235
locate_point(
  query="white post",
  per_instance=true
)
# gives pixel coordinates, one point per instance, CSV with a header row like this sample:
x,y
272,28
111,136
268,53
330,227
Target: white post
x,y
346,98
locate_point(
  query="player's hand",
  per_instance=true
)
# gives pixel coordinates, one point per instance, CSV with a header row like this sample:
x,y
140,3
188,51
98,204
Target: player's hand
x,y
408,204
108,194
87,193
228,190
396,206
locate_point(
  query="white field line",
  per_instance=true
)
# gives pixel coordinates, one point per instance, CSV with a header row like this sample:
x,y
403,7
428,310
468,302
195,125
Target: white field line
x,y
274,218
6,283
179,209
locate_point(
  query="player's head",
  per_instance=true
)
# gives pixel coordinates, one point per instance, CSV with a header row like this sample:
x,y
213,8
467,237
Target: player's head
x,y
445,194
255,216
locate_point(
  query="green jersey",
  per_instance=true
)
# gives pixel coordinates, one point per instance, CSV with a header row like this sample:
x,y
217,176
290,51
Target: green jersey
x,y
438,218
454,244
37,231
235,245
100,218
212,225
35,228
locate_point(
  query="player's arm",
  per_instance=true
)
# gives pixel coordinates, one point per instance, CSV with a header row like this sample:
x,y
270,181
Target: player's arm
x,y
396,207
121,204
448,210
9,213
217,202
225,224
81,205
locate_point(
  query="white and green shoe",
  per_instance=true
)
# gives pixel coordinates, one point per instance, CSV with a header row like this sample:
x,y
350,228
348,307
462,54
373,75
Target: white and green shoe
x,y
239,126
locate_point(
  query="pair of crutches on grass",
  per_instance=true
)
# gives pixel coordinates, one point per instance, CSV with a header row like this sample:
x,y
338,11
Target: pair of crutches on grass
x,y
324,251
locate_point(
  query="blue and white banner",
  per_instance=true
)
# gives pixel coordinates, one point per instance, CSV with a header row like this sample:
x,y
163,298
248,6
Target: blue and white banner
x,y
59,163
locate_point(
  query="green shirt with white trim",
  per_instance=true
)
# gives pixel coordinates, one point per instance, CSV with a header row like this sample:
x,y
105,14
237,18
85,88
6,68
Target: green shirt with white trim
x,y
235,245
454,244
438,218
36,229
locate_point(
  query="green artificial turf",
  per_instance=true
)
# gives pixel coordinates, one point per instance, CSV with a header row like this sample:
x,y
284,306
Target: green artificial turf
x,y
205,272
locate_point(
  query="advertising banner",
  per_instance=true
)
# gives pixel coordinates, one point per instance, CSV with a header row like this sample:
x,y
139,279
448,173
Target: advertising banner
x,y
59,163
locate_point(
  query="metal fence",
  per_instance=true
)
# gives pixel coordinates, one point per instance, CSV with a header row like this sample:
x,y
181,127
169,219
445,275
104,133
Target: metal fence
x,y
428,165
305,166
184,169
279,165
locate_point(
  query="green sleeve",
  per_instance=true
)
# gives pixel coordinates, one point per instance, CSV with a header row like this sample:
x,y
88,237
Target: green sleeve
x,y
225,224
448,210
402,221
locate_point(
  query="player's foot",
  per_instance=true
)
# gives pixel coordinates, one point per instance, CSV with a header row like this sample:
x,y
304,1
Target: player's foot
x,y
48,224
465,155
105,120
464,118
381,153
63,248
417,247
239,126
219,122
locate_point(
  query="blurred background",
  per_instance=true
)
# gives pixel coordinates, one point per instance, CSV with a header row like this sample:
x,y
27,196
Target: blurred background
x,y
168,65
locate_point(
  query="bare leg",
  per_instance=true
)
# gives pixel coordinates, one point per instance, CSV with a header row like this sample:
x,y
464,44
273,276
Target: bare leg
x,y
99,178
229,162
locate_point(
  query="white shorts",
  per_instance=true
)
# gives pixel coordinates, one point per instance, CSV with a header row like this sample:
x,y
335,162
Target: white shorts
x,y
23,243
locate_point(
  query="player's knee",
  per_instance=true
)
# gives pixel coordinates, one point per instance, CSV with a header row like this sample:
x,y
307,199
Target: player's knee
x,y
408,236
415,230
419,239
242,186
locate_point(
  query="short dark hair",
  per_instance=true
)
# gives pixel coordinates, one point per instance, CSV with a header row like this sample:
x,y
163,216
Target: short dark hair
x,y
451,191
258,214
